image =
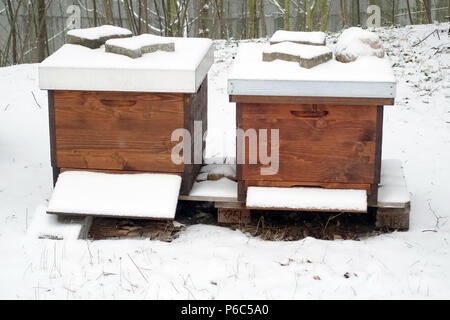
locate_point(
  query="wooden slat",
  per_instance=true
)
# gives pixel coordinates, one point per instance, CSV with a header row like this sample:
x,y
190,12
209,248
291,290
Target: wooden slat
x,y
195,109
315,100
373,197
52,134
294,184
206,199
306,210
62,170
109,216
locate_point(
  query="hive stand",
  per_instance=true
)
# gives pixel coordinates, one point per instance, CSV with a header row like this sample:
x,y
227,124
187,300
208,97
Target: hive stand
x,y
393,206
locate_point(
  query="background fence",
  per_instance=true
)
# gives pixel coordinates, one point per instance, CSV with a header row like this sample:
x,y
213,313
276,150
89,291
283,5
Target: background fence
x,y
32,29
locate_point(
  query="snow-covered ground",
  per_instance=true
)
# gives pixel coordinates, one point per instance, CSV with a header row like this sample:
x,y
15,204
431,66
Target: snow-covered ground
x,y
213,262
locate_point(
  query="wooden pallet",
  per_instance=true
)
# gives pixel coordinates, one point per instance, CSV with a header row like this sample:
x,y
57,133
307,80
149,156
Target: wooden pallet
x,y
387,217
392,213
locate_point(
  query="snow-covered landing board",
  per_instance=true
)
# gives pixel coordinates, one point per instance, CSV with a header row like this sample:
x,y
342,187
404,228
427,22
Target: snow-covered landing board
x,y
314,199
367,77
138,196
74,67
393,192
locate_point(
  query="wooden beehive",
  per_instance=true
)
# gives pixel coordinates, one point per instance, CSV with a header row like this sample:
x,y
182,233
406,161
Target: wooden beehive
x,y
330,121
117,115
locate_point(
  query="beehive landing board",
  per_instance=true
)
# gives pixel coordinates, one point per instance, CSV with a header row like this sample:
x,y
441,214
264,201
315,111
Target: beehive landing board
x,y
307,199
139,196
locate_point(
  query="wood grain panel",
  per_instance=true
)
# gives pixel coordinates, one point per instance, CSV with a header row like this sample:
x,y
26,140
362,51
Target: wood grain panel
x,y
117,130
318,143
196,109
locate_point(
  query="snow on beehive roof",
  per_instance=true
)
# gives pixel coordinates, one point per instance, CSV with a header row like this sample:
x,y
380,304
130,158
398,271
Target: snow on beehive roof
x,y
99,32
74,67
139,41
314,38
366,77
301,50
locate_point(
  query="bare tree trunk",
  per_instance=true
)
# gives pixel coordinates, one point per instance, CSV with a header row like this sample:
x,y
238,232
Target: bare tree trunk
x,y
130,17
409,12
287,14
13,34
42,30
203,25
358,8
147,19
143,16
344,13
119,10
262,17
108,12
221,17
28,32
394,9
169,16
159,18
324,15
427,5
448,11
95,13
251,18
311,6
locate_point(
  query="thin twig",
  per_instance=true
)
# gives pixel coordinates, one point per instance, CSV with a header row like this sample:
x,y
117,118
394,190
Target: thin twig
x,y
138,268
35,100
434,31
331,218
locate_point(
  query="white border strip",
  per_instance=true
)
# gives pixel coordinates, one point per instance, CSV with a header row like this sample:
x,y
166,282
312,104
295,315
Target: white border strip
x,y
300,88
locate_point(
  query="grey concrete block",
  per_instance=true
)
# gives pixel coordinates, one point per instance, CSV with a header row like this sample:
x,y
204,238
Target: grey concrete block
x,y
305,63
92,43
393,218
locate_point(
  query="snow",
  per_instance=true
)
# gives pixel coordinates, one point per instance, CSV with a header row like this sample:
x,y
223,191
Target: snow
x,y
314,38
300,50
135,43
97,33
222,188
46,226
75,67
393,190
124,195
357,42
368,77
220,169
307,199
208,262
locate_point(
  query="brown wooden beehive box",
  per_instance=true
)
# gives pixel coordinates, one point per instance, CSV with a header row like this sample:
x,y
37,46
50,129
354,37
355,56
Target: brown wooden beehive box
x,y
330,120
110,113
